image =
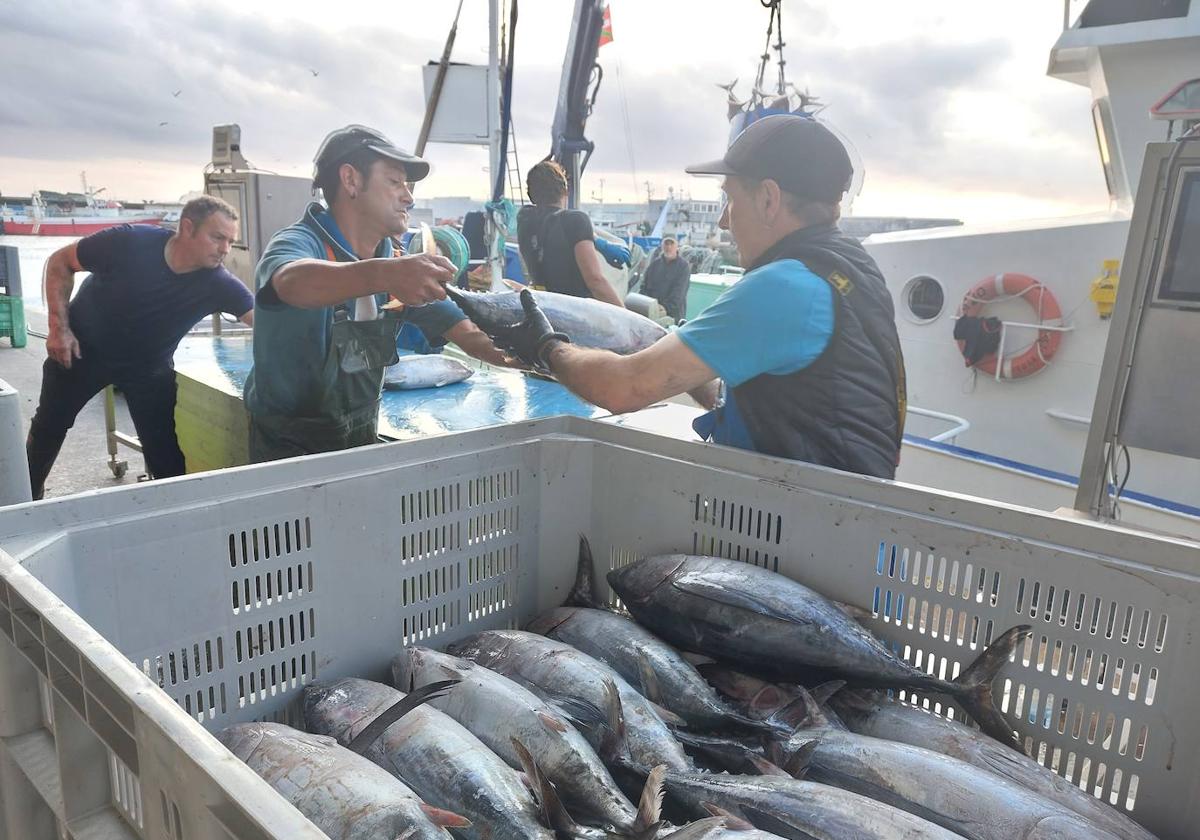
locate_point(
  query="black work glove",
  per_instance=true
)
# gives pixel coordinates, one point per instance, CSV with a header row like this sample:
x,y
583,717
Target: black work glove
x,y
530,339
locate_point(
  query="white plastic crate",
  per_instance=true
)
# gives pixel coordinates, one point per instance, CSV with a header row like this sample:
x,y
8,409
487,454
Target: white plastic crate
x,y
135,619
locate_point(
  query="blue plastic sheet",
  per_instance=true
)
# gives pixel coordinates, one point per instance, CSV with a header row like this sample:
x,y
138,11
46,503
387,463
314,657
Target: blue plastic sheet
x,y
490,397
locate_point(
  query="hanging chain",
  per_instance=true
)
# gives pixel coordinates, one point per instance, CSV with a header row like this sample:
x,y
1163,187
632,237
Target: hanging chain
x,y
776,7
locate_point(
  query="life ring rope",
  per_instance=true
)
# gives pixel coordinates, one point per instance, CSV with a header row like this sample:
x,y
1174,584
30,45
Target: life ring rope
x,y
1010,286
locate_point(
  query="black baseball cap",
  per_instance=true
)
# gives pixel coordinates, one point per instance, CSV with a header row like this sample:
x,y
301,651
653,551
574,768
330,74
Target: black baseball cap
x,y
800,154
340,144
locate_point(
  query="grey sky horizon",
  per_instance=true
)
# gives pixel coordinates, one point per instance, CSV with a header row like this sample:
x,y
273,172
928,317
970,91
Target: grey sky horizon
x,y
947,107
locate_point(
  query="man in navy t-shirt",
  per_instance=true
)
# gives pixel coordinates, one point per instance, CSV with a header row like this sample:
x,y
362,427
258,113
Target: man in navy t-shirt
x,y
147,288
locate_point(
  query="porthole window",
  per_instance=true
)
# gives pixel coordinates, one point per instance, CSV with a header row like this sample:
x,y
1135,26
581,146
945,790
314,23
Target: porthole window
x,y
923,298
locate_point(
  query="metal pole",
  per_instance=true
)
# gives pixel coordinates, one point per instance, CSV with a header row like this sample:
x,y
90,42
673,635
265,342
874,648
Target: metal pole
x,y
435,94
14,469
495,71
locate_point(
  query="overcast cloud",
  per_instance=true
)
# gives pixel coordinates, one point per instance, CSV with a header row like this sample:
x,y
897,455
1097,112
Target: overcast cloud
x,y
941,104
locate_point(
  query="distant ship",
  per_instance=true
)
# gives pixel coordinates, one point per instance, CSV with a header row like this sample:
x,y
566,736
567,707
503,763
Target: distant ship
x,y
51,218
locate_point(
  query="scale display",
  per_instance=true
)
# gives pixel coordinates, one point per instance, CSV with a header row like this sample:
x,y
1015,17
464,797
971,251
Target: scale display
x,y
1179,280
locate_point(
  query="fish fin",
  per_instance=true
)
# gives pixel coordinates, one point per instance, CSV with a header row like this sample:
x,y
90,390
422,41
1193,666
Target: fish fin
x,y
649,811
651,689
797,765
551,722
825,690
397,710
794,714
973,688
452,673
767,768
444,818
583,593
733,821
774,824
804,712
613,742
554,815
579,712
862,616
668,717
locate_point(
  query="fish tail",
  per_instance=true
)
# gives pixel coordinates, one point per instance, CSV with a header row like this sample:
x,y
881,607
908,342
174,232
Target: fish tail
x,y
973,688
554,814
649,812
583,593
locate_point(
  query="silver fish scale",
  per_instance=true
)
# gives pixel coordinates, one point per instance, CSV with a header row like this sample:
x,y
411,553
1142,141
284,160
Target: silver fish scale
x,y
434,755
343,794
498,710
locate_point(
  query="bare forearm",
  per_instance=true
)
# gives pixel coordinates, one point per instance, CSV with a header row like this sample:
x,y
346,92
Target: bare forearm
x,y
706,394
602,290
313,284
600,377
475,342
60,280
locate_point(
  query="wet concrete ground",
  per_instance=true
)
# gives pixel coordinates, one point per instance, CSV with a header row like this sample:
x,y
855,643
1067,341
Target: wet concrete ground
x,y
83,462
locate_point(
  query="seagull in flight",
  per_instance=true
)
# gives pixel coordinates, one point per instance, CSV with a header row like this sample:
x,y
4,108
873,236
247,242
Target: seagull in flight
x,y
161,124
314,72
176,93
729,87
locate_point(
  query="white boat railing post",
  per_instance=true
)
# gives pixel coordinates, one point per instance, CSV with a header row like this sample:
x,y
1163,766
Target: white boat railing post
x,y
1004,325
961,424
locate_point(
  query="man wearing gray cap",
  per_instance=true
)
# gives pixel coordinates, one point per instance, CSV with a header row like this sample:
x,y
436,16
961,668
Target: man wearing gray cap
x,y
800,358
321,341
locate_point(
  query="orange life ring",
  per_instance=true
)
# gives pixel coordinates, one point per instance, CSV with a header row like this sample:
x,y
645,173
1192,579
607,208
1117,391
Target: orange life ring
x,y
1038,354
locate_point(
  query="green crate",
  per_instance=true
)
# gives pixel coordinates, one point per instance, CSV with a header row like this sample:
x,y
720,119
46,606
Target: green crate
x,y
12,320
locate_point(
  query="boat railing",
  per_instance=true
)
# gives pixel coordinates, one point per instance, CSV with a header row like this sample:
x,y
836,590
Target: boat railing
x,y
1004,325
959,424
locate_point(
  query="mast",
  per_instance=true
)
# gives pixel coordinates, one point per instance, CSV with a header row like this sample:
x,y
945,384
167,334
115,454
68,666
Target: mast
x,y
496,224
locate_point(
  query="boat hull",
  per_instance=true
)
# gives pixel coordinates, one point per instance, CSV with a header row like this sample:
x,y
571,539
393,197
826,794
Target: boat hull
x,y
72,226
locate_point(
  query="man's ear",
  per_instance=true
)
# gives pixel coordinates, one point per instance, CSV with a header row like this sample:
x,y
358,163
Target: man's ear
x,y
769,200
349,176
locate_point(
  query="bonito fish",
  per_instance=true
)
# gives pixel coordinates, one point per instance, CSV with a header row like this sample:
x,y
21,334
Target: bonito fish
x,y
977,804
794,808
765,621
343,794
560,671
873,714
586,321
431,370
652,666
434,755
502,713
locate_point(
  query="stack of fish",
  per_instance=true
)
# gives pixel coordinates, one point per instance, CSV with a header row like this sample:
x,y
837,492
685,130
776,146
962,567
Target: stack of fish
x,y
548,732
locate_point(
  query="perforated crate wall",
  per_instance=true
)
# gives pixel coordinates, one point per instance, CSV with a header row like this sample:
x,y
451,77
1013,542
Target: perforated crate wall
x,y
231,591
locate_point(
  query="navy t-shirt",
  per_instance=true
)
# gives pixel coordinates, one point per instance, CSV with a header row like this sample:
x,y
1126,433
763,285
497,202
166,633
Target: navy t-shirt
x,y
133,309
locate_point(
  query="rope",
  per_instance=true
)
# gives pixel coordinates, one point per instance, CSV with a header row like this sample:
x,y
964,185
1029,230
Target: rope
x,y
628,132
454,245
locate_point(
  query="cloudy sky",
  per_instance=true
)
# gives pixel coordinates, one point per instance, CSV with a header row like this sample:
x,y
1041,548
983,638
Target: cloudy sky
x,y
946,102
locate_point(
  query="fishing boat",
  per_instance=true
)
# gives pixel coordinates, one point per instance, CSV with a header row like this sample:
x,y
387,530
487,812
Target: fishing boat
x,y
1004,327
43,217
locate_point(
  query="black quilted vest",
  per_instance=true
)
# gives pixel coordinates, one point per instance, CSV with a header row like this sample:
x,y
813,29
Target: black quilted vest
x,y
846,409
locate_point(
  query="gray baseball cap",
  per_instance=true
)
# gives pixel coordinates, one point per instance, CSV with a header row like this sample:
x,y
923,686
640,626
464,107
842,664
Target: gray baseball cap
x,y
340,144
800,154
